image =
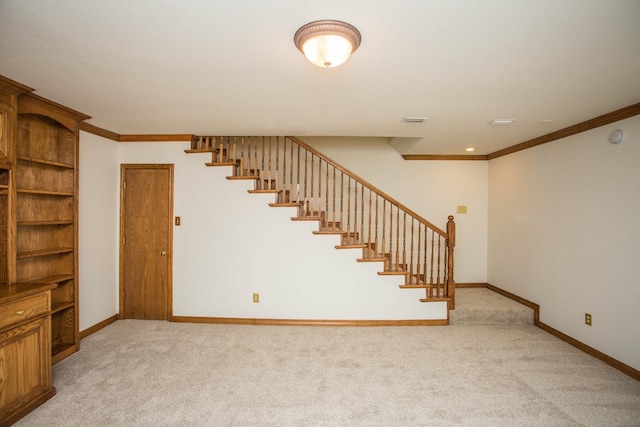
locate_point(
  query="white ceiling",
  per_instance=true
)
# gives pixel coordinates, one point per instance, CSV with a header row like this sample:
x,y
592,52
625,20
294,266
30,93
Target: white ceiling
x,y
230,67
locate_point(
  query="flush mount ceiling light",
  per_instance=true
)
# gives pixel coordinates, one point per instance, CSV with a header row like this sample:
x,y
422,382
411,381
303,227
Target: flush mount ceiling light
x,y
327,43
470,149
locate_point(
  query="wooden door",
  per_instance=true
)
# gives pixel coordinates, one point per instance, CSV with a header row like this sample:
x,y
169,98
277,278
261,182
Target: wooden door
x,y
146,209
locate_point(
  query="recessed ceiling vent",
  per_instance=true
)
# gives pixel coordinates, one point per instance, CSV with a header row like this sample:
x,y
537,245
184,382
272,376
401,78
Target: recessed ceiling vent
x,y
501,122
414,119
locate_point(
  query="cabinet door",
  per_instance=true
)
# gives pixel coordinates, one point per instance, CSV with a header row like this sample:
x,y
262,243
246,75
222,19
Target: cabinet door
x,y
5,219
3,134
4,119
25,371
7,125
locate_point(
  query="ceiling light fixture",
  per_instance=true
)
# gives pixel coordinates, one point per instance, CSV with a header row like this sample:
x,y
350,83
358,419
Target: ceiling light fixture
x,y
470,149
327,43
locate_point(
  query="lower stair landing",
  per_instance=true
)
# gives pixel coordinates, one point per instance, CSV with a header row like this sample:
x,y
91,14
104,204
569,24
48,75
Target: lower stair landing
x,y
482,306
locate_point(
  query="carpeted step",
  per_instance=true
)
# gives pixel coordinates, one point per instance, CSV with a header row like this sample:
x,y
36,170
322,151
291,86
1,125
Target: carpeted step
x,y
481,306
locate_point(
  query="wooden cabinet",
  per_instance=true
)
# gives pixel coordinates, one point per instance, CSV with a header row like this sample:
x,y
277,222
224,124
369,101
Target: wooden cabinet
x,y
25,350
39,205
38,245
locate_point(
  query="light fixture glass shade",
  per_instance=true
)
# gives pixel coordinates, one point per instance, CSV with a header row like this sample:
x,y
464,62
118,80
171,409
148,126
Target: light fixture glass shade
x,y
326,43
327,50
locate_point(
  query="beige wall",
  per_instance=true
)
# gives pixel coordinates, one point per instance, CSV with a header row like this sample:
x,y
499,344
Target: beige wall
x,y
223,252
98,229
559,220
564,232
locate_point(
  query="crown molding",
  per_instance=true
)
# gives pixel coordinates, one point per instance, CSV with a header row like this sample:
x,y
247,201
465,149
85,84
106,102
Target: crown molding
x,y
157,138
445,157
88,127
605,119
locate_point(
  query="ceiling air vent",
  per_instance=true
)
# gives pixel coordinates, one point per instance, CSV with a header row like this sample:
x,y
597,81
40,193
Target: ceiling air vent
x,y
414,119
501,122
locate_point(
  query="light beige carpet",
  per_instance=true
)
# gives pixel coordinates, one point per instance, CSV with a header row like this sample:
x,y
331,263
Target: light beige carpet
x,y
481,306
153,373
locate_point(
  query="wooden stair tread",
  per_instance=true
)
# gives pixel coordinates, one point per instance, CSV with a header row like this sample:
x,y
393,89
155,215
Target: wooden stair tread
x,y
240,178
392,273
372,260
354,246
417,286
436,299
305,218
262,191
236,163
202,150
284,205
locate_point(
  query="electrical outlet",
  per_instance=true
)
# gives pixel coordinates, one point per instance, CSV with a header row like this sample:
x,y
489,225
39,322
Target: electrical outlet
x,y
587,319
177,222
256,298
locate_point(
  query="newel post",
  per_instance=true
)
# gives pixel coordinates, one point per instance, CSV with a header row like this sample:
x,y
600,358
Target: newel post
x,y
451,243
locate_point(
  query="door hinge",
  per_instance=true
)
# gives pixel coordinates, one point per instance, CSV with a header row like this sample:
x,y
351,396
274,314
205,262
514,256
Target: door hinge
x,y
123,240
124,185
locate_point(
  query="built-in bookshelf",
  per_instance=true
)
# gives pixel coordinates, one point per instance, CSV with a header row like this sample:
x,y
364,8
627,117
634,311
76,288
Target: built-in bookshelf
x,y
46,211
46,220
25,323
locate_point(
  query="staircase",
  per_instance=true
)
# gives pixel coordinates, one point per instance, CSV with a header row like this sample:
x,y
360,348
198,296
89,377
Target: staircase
x,y
403,243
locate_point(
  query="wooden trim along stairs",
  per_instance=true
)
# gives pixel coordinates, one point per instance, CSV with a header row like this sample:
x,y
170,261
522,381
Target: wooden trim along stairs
x,y
343,204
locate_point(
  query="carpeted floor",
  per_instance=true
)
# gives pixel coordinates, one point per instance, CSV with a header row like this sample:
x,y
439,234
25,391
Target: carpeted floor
x,y
154,373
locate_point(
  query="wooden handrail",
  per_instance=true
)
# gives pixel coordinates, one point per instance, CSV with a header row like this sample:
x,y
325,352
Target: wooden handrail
x,y
368,185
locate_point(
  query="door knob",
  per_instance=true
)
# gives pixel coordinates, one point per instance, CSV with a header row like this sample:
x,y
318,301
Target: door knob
x,y
163,253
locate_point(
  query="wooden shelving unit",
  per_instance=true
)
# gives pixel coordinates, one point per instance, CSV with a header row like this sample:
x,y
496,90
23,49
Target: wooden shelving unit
x,y
39,206
25,326
46,212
